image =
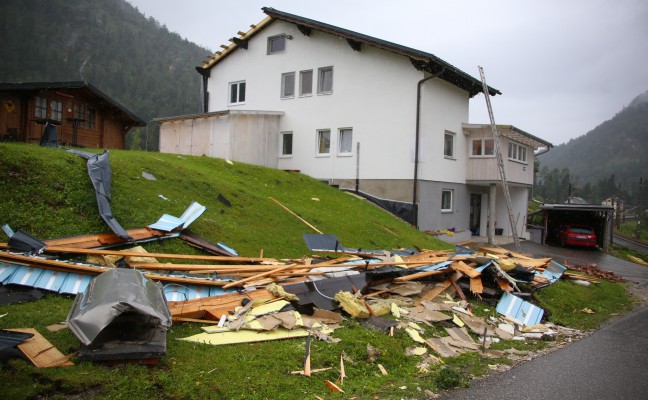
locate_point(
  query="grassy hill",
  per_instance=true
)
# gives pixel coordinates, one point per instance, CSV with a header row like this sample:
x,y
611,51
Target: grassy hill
x,y
47,193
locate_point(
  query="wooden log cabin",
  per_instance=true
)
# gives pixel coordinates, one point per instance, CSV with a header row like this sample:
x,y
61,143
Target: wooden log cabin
x,y
83,116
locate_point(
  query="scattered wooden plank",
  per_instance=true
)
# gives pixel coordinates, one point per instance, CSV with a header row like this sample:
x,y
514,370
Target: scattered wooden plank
x,y
295,215
72,250
218,305
464,268
40,351
476,285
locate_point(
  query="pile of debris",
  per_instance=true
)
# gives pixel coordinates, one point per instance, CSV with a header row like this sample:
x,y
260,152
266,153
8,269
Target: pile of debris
x,y
248,299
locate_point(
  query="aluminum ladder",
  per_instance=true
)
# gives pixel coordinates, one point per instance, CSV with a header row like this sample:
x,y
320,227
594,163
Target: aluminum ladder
x,y
500,161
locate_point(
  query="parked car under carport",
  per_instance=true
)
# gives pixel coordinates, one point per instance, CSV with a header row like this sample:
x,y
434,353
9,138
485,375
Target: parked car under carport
x,y
598,217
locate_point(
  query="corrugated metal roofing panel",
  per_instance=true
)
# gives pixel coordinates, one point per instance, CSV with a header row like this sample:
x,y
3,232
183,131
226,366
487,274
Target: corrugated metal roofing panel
x,y
554,271
6,270
166,223
519,310
51,280
75,283
25,276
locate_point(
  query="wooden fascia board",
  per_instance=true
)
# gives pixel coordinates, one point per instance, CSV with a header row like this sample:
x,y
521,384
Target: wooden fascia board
x,y
233,46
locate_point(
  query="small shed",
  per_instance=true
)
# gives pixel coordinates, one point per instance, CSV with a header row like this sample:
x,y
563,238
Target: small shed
x,y
598,216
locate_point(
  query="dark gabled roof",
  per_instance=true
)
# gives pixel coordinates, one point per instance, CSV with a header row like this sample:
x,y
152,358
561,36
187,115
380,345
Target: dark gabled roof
x,y
36,86
420,60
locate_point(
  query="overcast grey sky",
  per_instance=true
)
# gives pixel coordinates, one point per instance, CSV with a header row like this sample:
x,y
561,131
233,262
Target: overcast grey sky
x,y
563,66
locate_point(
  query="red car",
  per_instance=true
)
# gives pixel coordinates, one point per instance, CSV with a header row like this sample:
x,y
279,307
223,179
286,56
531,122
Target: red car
x,y
577,235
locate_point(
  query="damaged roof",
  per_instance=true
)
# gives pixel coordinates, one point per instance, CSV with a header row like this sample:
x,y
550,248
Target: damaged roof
x,y
421,60
87,88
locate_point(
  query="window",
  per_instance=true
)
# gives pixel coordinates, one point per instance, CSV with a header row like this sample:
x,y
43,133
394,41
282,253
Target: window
x,y
91,118
288,85
57,110
324,142
345,142
482,147
276,44
306,83
40,110
448,144
325,80
237,92
517,152
446,200
286,144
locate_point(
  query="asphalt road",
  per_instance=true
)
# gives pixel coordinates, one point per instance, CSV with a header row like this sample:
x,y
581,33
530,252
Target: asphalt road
x,y
612,363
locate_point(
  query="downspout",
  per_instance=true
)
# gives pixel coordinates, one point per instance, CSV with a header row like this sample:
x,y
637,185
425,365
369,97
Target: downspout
x,y
205,73
417,140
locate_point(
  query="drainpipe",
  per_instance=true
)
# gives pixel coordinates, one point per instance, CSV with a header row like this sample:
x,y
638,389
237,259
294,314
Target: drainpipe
x,y
417,140
205,78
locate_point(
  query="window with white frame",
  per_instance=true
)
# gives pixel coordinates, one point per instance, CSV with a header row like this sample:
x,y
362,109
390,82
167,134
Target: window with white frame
x,y
286,144
276,44
288,85
446,200
237,92
325,80
323,142
57,110
345,142
517,152
482,148
448,144
306,83
40,107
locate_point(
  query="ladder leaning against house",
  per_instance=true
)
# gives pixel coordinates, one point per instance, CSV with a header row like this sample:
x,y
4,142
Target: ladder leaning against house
x,y
500,161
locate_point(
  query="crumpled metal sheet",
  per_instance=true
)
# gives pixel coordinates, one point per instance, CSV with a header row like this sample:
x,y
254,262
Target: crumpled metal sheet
x,y
122,314
169,223
99,173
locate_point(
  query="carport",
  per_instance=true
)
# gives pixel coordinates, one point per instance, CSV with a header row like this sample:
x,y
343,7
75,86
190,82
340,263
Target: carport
x,y
598,216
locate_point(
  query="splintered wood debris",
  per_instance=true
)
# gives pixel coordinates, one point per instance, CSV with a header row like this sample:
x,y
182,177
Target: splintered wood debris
x,y
264,298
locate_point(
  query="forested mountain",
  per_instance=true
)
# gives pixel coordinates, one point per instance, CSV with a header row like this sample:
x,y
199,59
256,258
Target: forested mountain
x,y
109,43
607,161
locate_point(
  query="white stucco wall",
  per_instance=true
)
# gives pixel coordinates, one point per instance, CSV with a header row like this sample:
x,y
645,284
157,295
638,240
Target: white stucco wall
x,y
374,93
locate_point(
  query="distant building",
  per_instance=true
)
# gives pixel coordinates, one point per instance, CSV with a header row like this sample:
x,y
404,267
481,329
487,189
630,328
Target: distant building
x,y
360,113
80,113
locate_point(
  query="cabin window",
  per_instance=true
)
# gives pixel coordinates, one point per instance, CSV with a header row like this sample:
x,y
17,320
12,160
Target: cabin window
x,y
482,148
80,113
288,85
345,142
517,152
446,200
325,80
40,107
91,118
306,83
276,44
57,110
323,142
448,144
286,144
237,93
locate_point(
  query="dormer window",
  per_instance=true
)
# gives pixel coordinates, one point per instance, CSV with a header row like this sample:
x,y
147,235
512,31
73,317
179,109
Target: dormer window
x,y
276,44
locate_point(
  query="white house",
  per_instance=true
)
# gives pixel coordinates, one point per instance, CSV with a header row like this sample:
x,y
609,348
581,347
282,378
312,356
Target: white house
x,y
359,112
